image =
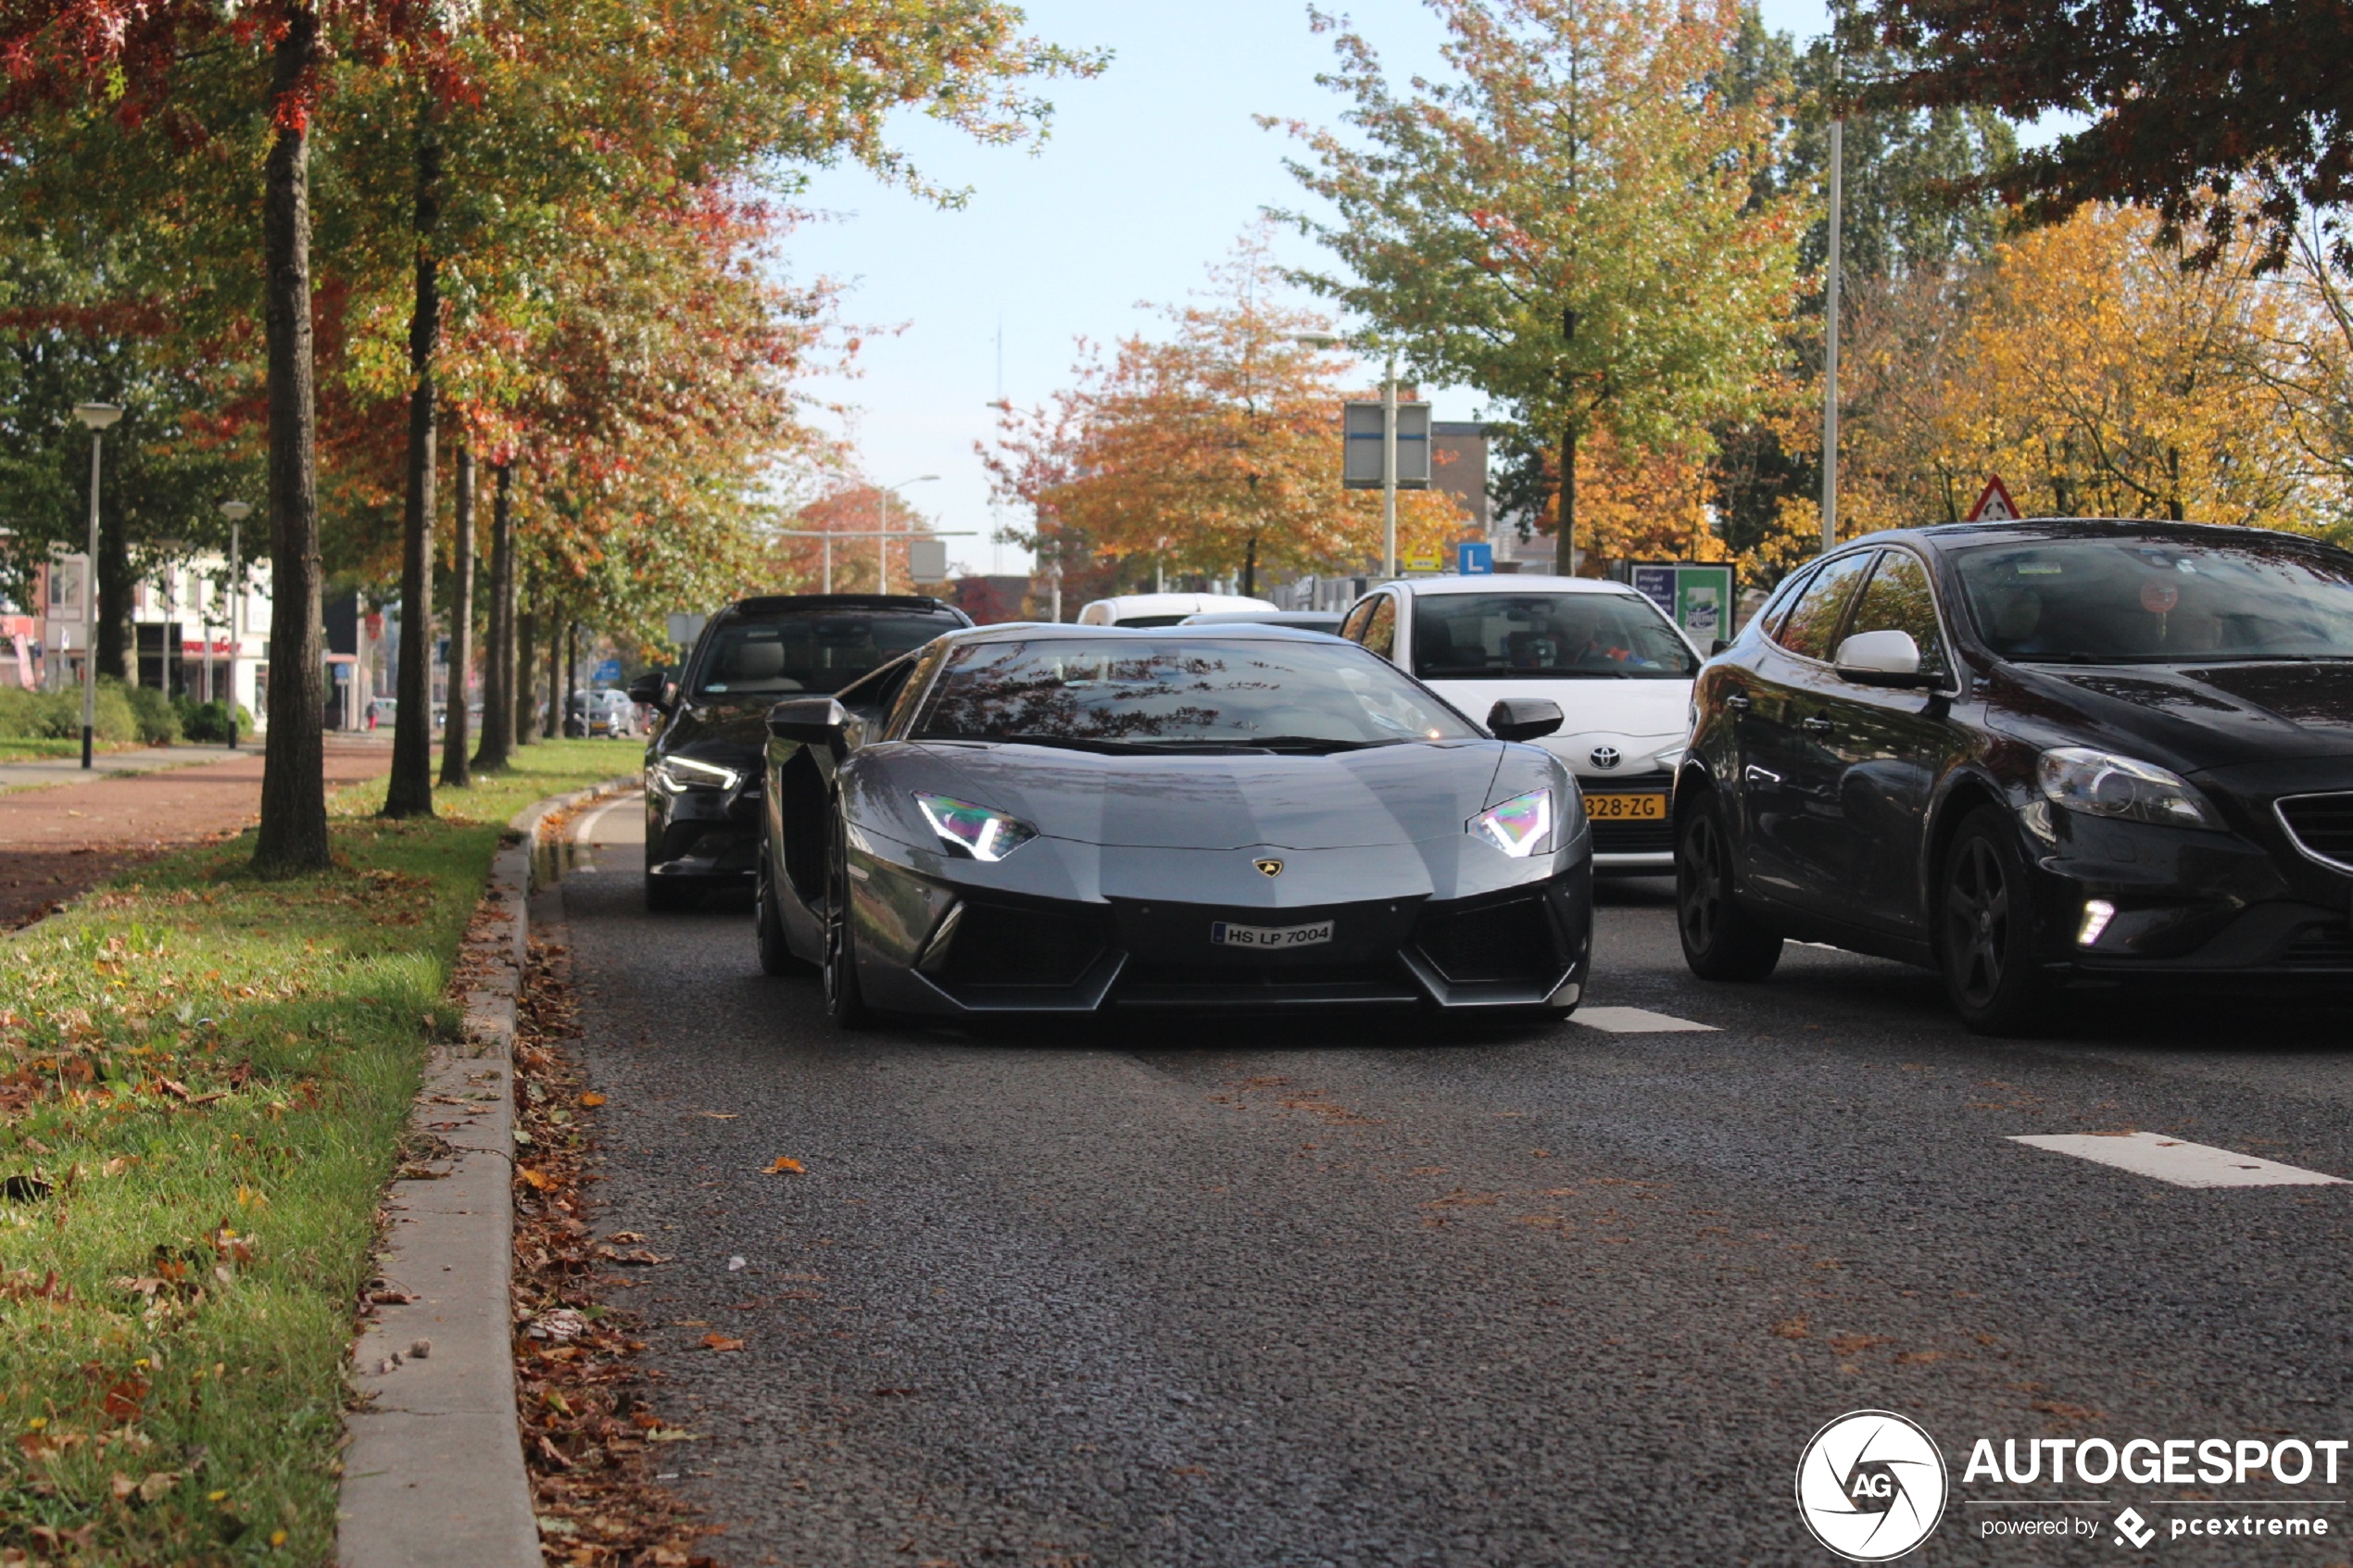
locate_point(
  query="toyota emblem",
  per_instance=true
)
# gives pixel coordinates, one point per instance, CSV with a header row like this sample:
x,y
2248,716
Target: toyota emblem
x,y
1606,756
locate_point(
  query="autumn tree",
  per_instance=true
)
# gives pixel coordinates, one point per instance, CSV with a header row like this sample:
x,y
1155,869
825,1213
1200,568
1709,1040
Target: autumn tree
x,y
2226,118
1217,450
1570,222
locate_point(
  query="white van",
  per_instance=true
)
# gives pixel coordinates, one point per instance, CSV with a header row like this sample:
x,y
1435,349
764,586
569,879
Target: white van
x,y
1162,609
1620,671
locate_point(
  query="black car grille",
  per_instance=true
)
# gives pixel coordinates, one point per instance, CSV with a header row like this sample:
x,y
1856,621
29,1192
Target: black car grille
x,y
2323,945
1001,945
1511,941
2321,824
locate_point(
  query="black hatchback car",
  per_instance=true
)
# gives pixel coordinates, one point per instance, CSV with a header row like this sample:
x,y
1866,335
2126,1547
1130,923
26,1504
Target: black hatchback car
x,y
703,761
2054,752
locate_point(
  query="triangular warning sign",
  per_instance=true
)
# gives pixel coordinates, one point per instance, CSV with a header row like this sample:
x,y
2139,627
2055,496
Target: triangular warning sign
x,y
1993,504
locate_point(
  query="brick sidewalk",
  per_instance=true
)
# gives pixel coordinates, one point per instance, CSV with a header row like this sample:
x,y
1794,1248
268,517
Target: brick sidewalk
x,y
59,842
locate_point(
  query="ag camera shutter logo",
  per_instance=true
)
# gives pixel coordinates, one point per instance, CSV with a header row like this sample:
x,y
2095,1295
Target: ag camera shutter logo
x,y
1871,1486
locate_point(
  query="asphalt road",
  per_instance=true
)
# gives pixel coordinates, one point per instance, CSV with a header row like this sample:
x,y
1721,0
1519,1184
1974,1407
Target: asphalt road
x,y
1299,1294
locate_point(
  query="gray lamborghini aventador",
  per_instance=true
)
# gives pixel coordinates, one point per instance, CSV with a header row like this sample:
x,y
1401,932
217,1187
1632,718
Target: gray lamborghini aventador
x,y
1077,820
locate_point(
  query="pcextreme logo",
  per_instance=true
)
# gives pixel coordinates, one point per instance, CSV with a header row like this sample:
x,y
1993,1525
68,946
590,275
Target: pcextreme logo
x,y
1871,1486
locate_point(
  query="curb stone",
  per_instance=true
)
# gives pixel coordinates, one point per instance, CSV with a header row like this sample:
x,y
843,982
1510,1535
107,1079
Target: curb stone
x,y
434,1473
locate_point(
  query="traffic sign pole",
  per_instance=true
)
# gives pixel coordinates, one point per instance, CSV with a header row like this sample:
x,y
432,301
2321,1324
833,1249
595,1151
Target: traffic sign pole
x,y
1388,470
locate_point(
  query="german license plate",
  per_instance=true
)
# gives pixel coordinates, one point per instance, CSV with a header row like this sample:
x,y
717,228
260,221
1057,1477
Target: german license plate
x,y
1222,934
1648,807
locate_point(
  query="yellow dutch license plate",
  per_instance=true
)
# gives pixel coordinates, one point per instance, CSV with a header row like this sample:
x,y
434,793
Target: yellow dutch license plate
x,y
1648,807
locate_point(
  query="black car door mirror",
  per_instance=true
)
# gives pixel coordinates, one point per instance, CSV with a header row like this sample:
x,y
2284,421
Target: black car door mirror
x,y
812,720
1523,718
651,689
1883,659
1719,646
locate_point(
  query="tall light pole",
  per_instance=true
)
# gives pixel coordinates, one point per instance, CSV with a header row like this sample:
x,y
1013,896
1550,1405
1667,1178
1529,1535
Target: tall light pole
x,y
97,417
882,526
1830,342
1389,470
236,512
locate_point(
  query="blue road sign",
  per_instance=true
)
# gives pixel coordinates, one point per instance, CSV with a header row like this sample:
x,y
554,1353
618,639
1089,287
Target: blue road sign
x,y
1475,558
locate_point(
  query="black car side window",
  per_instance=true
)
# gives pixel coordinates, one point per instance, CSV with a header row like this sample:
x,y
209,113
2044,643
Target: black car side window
x,y
1898,598
1775,614
1813,619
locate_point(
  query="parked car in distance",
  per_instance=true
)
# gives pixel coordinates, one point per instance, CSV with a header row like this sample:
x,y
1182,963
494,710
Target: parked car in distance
x,y
2034,755
1162,609
703,778
1619,669
1324,621
1081,820
608,713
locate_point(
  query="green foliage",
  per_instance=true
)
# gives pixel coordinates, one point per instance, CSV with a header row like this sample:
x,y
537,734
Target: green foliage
x,y
157,717
213,1073
209,721
58,715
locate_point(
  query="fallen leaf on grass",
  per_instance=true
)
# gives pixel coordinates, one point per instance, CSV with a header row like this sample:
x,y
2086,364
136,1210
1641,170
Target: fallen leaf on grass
x,y
720,1342
781,1166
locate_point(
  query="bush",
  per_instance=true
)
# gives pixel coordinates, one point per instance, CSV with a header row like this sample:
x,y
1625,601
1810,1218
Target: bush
x,y
209,720
58,715
158,723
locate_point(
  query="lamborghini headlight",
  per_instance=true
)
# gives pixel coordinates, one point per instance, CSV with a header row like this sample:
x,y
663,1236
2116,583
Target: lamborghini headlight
x,y
1519,826
684,772
973,830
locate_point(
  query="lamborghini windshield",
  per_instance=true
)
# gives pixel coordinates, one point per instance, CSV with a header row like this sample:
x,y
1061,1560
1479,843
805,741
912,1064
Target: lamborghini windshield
x,y
1181,693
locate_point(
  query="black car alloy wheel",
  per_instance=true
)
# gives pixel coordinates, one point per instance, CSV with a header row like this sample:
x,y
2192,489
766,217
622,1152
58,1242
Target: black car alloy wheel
x,y
1722,941
843,1000
1985,928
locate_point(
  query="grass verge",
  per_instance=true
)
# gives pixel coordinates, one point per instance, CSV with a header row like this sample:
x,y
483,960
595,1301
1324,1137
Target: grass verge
x,y
203,1079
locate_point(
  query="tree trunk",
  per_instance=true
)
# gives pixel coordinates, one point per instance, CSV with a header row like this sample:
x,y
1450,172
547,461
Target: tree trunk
x,y
455,774
571,676
1565,548
118,650
550,721
410,793
294,795
1250,568
499,658
526,676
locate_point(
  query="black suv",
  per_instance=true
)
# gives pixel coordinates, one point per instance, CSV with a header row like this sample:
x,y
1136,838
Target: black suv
x,y
703,761
2030,754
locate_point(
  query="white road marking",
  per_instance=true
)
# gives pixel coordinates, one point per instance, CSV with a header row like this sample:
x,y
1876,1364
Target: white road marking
x,y
2177,1161
1635,1020
584,835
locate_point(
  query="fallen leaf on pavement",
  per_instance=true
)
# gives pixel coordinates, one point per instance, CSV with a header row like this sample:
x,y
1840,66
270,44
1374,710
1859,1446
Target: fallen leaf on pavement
x,y
592,1099
781,1166
720,1342
673,1434
543,1182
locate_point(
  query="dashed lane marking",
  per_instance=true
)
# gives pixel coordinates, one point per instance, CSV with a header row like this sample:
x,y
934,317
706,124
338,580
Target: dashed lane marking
x,y
2178,1160
1635,1020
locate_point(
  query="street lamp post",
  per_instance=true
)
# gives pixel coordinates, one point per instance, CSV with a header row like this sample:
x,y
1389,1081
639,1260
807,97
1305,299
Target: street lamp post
x,y
882,522
236,512
97,417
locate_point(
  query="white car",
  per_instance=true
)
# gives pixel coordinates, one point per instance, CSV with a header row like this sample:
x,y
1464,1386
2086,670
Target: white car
x,y
1620,671
1162,609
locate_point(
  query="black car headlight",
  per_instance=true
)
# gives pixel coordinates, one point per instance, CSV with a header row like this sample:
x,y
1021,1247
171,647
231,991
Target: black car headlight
x,y
675,773
2100,783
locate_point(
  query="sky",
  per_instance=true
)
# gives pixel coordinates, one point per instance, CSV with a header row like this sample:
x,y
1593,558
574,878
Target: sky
x,y
1151,171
